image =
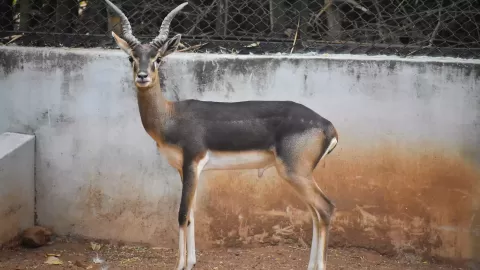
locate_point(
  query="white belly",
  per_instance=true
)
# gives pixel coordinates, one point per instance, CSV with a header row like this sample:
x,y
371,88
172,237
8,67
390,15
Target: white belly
x,y
220,160
239,160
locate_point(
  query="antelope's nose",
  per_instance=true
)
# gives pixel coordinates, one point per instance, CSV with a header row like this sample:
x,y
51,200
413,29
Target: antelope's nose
x,y
142,75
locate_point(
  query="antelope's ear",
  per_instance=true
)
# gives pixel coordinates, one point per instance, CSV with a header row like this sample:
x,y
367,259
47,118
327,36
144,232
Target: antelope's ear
x,y
170,46
122,43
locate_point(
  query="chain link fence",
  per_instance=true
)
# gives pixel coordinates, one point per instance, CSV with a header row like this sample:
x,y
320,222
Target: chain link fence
x,y
401,27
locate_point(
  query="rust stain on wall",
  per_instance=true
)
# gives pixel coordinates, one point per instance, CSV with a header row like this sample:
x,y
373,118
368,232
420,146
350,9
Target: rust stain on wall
x,y
10,216
389,200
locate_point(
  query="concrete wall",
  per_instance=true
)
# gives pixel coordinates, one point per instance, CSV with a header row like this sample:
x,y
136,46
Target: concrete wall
x,y
405,175
17,187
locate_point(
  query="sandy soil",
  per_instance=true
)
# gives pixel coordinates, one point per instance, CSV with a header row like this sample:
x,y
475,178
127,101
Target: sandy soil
x,y
78,254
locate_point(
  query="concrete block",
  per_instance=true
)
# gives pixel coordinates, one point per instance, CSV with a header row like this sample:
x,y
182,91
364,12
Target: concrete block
x,y
17,187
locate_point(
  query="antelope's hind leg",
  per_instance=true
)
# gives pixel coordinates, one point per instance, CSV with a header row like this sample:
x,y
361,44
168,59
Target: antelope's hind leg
x,y
321,210
295,160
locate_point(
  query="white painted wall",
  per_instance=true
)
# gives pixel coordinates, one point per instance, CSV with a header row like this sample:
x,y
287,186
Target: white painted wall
x,y
99,174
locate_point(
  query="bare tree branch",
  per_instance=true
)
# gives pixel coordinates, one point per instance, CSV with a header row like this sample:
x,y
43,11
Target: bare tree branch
x,y
380,21
437,27
356,5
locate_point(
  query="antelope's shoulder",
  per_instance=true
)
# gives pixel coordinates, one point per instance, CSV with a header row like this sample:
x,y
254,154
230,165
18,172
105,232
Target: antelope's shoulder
x,y
172,152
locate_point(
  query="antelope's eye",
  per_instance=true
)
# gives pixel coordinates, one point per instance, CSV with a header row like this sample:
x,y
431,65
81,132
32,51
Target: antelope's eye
x,y
130,59
158,60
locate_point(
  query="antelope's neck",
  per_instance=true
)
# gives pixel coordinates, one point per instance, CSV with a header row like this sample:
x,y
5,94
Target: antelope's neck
x,y
155,110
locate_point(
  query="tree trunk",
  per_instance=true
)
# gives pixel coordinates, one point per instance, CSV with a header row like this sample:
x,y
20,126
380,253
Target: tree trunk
x,y
302,7
25,9
333,20
222,18
114,23
277,16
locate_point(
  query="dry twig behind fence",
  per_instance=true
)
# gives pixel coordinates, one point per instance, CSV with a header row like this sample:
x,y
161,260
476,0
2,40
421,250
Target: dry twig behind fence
x,y
404,27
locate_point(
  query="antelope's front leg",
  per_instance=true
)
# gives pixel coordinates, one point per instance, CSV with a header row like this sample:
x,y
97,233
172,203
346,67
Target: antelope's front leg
x,y
184,236
191,256
191,172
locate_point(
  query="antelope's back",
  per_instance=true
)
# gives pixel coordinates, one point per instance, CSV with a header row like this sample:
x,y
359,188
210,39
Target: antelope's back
x,y
248,125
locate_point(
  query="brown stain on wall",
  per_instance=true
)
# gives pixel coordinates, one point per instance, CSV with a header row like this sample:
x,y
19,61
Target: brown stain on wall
x,y
11,216
391,200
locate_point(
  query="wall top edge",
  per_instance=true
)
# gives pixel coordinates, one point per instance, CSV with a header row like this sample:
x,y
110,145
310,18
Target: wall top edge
x,y
213,56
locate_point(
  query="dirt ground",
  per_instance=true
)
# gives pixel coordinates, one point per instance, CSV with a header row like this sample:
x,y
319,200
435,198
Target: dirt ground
x,y
80,254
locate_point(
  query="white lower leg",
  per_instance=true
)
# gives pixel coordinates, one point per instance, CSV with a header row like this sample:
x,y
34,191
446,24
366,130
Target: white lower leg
x,y
191,257
181,249
314,246
322,242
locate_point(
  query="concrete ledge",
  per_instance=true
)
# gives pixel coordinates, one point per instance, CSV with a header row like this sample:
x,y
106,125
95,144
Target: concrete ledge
x,y
17,192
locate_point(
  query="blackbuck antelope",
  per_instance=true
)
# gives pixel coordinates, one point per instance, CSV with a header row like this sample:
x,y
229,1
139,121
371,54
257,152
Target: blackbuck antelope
x,y
197,135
